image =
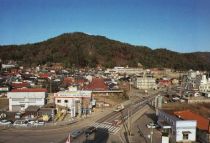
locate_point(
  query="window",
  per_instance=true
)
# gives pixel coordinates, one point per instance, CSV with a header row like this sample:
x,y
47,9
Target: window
x,y
185,136
66,101
32,99
38,99
18,99
58,101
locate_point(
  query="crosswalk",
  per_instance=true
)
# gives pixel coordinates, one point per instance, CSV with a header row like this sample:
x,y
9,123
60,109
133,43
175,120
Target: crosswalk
x,y
105,125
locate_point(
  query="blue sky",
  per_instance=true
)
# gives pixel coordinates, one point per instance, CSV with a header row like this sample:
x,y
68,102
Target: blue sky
x,y
178,25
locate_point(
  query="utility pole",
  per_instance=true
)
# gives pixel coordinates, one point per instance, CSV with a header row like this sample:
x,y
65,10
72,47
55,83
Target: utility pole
x,y
151,134
129,111
152,126
50,86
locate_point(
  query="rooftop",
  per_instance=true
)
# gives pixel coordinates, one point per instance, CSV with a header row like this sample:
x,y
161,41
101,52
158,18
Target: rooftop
x,y
202,109
96,84
202,122
30,90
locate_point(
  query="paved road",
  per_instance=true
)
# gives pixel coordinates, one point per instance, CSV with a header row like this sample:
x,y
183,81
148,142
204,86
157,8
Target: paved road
x,y
113,121
141,132
59,135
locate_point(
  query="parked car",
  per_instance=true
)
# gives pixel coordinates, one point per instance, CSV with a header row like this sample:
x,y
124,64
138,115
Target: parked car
x,y
31,122
39,123
90,130
5,122
152,125
20,123
76,133
18,115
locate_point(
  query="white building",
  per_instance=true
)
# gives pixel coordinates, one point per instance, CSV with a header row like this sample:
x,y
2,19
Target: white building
x,y
205,86
75,101
20,99
179,130
146,81
125,70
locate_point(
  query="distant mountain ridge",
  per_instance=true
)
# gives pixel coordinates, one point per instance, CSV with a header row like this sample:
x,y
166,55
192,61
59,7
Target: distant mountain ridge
x,y
81,50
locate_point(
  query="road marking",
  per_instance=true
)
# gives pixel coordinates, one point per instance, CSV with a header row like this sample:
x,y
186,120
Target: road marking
x,y
106,125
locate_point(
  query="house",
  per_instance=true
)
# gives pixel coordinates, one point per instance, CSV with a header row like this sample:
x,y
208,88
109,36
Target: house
x,y
179,130
97,84
164,82
203,124
18,85
100,91
20,99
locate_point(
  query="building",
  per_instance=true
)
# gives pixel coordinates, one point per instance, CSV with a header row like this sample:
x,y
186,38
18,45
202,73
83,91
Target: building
x,y
164,82
145,81
190,84
76,102
205,86
125,70
179,130
203,124
96,84
158,101
20,99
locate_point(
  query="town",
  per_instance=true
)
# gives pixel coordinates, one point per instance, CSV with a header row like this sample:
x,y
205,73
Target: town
x,y
51,103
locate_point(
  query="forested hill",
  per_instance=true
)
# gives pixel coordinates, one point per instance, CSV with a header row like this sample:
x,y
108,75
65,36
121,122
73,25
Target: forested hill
x,y
80,49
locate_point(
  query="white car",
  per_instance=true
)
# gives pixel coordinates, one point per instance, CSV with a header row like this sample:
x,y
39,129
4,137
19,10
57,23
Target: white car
x,y
20,123
38,123
5,122
152,125
31,123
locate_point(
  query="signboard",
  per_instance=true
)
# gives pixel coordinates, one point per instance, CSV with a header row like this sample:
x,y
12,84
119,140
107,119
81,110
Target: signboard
x,y
74,94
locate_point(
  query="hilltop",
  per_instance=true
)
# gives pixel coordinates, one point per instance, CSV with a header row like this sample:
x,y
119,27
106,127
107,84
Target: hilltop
x,y
81,50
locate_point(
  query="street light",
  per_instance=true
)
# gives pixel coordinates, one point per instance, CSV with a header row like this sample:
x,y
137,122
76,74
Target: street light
x,y
151,126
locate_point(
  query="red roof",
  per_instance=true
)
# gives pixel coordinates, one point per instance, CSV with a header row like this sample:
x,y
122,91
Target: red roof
x,y
71,80
20,85
68,80
44,75
165,81
202,123
79,81
96,84
30,90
